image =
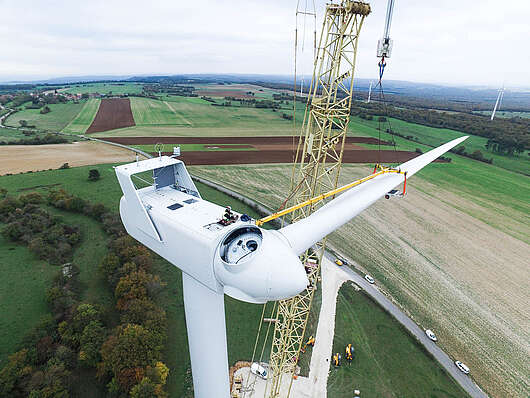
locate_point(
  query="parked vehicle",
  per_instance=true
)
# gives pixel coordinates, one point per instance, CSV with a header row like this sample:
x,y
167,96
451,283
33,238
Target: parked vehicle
x,y
369,279
462,367
258,370
430,334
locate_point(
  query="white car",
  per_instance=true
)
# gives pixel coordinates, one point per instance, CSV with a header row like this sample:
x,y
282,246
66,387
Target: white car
x,y
430,334
369,279
462,366
258,370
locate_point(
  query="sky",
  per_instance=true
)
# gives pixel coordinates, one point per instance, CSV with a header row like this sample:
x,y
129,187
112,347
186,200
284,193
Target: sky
x,y
470,42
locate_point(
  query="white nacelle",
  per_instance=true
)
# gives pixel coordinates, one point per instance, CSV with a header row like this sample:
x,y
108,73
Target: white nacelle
x,y
240,259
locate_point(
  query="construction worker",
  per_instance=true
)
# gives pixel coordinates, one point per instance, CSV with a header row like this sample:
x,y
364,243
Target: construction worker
x,y
310,343
337,360
350,352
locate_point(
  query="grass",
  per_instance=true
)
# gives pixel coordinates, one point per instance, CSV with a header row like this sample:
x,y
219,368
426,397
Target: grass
x,y
84,118
23,285
105,88
11,135
189,116
433,137
388,361
148,112
60,116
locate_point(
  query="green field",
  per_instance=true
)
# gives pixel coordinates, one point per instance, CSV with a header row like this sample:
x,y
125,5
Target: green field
x,y
434,137
22,293
149,112
56,120
84,118
7,135
506,114
388,361
188,116
104,88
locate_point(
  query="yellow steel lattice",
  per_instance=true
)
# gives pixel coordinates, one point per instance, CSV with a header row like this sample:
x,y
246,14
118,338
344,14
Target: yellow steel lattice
x,y
316,170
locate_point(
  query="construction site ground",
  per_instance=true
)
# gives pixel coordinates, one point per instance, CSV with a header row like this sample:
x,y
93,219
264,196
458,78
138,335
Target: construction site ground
x,y
316,384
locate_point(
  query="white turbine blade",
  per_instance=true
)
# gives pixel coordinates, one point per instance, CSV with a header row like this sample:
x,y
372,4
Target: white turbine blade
x,y
306,232
205,322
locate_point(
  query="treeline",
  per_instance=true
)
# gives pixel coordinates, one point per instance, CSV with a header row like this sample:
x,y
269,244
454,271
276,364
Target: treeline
x,y
127,357
506,136
37,140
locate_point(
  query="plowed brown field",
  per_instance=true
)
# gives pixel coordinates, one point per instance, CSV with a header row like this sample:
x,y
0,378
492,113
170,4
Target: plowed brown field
x,y
113,113
271,140
286,156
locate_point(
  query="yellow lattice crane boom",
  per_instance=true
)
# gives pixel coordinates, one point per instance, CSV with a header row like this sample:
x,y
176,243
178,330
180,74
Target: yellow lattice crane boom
x,y
316,170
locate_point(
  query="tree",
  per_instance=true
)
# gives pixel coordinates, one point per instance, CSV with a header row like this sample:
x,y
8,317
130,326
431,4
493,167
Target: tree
x,y
145,389
91,340
132,348
45,110
23,123
93,175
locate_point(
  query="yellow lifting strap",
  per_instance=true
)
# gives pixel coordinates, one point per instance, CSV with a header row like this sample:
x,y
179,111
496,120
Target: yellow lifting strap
x,y
273,216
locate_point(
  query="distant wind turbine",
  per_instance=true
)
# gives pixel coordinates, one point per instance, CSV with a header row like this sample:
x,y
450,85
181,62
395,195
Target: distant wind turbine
x,y
498,102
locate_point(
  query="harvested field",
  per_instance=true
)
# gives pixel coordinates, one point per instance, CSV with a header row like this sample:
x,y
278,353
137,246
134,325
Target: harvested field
x,y
22,158
264,140
113,113
287,156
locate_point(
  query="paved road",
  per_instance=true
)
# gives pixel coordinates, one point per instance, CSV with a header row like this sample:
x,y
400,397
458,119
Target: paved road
x,y
465,381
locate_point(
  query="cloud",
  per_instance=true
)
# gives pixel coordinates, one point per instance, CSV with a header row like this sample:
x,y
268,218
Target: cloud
x,y
472,42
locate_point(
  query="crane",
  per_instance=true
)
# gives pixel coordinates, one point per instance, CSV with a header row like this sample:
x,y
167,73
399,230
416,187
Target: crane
x,y
384,45
316,169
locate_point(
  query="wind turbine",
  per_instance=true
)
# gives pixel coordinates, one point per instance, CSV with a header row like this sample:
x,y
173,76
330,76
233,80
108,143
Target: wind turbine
x,y
498,102
221,252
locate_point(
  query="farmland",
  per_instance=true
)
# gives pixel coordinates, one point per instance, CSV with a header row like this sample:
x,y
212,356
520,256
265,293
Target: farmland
x,y
436,136
453,254
56,120
181,116
112,113
148,112
24,158
104,88
84,118
242,318
386,357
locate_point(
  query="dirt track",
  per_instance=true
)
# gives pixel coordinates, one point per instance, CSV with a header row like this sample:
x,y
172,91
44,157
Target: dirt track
x,y
113,113
22,158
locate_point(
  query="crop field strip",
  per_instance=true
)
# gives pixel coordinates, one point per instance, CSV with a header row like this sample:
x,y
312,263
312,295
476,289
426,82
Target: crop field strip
x,y
84,118
113,113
